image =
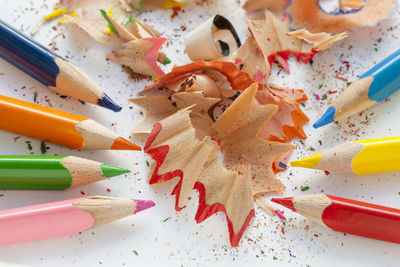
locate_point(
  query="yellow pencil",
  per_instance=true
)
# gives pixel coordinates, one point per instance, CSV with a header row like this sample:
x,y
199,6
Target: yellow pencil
x,y
357,157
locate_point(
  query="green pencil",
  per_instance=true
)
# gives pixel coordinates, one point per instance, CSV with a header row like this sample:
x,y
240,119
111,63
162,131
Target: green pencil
x,y
52,172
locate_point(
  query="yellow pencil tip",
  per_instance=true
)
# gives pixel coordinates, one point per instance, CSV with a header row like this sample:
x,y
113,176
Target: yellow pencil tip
x,y
307,162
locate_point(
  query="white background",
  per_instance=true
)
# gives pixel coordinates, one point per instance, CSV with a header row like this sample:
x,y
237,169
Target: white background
x,y
180,241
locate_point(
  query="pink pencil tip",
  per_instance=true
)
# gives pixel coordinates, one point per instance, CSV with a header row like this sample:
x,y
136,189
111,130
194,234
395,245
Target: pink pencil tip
x,y
143,205
286,202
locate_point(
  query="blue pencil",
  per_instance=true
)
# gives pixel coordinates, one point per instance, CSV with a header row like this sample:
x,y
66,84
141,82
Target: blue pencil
x,y
373,86
53,71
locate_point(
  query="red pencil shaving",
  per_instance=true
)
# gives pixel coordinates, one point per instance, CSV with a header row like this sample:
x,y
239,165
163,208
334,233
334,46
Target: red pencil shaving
x,y
347,215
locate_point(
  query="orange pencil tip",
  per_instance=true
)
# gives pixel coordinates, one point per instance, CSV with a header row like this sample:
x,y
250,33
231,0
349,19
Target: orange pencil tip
x,y
123,144
286,202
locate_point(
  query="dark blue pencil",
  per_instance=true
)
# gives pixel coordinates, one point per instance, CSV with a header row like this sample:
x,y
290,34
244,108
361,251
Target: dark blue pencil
x,y
373,86
53,71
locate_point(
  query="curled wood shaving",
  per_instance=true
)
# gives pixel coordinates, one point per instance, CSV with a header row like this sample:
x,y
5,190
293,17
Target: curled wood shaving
x,y
179,154
371,13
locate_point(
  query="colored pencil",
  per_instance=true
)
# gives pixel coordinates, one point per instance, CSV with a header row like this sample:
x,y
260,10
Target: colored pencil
x,y
52,172
357,157
50,69
373,86
63,218
58,127
347,215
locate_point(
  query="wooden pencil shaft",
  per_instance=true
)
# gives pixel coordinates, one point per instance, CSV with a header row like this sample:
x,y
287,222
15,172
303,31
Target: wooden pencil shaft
x,y
58,127
51,172
28,55
357,157
348,216
61,218
53,71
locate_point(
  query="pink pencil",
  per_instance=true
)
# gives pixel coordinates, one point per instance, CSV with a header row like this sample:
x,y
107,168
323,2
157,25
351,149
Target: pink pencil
x,y
64,217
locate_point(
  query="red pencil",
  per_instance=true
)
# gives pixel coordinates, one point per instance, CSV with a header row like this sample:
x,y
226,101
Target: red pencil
x,y
347,215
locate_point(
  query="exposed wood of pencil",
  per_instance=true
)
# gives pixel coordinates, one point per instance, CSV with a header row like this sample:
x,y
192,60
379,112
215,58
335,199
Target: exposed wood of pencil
x,y
58,127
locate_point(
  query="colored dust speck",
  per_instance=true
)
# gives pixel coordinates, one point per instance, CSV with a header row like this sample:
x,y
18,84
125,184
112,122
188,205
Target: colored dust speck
x,y
147,163
282,165
43,147
28,145
83,193
135,252
279,213
312,149
35,96
166,219
175,12
305,188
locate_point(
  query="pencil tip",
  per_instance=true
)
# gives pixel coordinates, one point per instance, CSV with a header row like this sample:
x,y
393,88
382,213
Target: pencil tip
x,y
286,202
143,205
166,61
327,118
307,162
111,171
123,144
107,102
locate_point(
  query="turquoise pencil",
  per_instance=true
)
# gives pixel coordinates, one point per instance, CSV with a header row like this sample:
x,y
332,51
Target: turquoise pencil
x,y
373,86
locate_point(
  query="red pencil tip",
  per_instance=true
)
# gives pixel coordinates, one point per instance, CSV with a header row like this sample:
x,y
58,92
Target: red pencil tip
x,y
286,202
123,144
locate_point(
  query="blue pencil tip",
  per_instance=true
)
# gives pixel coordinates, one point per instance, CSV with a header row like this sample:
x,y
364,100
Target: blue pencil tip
x,y
326,118
107,102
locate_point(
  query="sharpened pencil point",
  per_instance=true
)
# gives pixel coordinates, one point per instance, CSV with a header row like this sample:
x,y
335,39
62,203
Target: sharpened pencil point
x,y
307,162
286,202
327,118
107,102
111,171
166,61
123,144
143,205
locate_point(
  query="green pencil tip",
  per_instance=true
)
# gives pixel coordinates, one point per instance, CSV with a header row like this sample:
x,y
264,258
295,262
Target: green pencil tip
x,y
166,61
111,171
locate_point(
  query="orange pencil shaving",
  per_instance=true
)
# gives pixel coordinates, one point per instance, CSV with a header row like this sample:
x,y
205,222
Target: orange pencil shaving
x,y
58,127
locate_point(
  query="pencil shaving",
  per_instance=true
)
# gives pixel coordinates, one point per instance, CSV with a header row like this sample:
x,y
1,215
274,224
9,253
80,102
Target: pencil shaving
x,y
238,130
216,38
370,13
223,79
178,153
272,5
279,44
157,108
140,55
141,43
289,119
145,5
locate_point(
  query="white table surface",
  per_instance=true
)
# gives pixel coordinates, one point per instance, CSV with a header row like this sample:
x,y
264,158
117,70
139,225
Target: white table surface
x,y
180,241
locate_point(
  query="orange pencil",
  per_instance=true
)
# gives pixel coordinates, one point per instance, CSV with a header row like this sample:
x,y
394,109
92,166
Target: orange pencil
x,y
58,127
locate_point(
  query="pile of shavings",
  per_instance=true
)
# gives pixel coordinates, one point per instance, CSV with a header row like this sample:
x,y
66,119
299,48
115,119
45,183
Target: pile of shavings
x,y
207,108
350,16
365,14
187,145
104,20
